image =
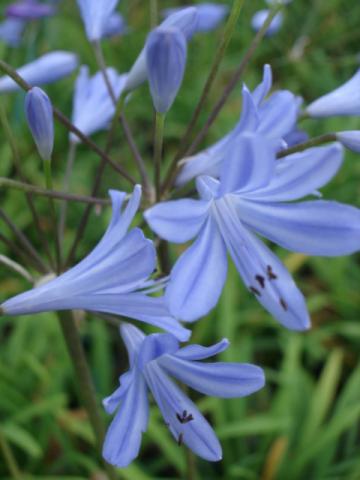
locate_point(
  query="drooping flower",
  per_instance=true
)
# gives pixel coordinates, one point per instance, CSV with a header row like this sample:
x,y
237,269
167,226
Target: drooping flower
x,y
113,278
96,15
259,19
165,60
253,194
186,20
350,139
45,69
39,114
210,15
344,100
93,107
11,30
273,116
29,10
153,359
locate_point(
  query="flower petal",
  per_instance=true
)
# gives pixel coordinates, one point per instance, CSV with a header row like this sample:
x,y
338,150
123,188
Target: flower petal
x,y
178,220
155,346
196,433
263,89
315,227
198,352
133,337
278,114
220,379
198,276
123,438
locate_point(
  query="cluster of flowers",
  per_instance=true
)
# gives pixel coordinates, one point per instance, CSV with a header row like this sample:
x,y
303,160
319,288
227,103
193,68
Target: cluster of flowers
x,y
245,189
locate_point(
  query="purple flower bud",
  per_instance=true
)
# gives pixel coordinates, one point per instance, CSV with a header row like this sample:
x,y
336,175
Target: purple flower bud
x,y
259,19
29,10
115,25
209,15
345,100
11,31
350,139
165,60
39,115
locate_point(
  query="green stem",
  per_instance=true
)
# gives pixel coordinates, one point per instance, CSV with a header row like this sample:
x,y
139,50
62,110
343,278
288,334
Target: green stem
x,y
84,381
313,142
228,33
10,458
154,14
49,186
66,186
158,147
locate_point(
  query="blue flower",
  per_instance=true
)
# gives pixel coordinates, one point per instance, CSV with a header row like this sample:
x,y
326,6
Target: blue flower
x,y
253,195
93,107
165,60
210,15
45,69
273,116
186,21
345,100
152,359
350,139
11,31
39,114
96,15
259,19
113,278
115,25
29,10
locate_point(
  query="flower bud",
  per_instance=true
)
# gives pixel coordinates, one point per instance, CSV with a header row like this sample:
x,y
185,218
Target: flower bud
x,y
96,15
29,10
210,15
165,60
350,139
39,115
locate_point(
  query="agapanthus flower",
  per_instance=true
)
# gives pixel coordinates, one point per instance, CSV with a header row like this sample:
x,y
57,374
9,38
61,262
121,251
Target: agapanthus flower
x,y
29,10
113,278
166,61
115,25
210,15
96,15
45,69
344,100
40,118
11,30
93,107
153,359
350,139
186,20
273,116
259,19
253,194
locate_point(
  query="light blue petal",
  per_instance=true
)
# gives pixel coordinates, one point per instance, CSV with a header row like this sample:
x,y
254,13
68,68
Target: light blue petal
x,y
178,220
123,438
115,25
210,15
11,30
196,433
315,227
207,187
96,15
278,114
221,379
133,338
155,346
300,174
262,272
198,276
249,164
198,352
111,402
263,89
46,69
350,139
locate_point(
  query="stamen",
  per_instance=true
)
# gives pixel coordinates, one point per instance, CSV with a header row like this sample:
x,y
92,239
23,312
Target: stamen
x,y
261,280
284,304
185,417
271,274
254,290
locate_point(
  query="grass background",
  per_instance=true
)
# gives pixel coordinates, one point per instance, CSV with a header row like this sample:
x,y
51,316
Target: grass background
x,y
305,423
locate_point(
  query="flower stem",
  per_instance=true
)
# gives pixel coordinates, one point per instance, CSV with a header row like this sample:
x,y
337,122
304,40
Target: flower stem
x,y
158,148
85,384
16,267
154,13
66,186
228,33
313,142
9,458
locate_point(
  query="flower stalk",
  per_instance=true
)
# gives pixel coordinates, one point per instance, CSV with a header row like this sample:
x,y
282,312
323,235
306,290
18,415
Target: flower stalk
x,y
313,142
158,148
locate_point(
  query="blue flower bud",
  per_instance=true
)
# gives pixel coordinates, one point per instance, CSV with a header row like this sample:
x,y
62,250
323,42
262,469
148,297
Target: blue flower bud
x,y
259,19
210,15
350,139
165,60
29,10
96,15
39,115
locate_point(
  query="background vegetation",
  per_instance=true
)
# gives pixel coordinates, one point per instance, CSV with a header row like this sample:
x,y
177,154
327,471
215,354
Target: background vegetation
x,y
305,423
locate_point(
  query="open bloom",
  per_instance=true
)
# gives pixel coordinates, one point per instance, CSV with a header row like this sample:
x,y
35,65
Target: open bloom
x,y
93,107
344,100
152,360
29,10
253,194
96,14
113,278
273,116
166,60
210,15
45,69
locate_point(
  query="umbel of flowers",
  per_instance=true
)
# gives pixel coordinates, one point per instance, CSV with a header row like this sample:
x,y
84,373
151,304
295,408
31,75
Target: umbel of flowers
x,y
257,182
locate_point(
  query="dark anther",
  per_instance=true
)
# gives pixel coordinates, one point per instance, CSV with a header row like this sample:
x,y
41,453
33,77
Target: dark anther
x,y
284,304
181,439
271,274
261,280
254,290
184,418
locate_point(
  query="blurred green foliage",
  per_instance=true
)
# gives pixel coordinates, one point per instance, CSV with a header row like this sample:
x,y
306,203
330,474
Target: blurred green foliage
x,y
305,422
